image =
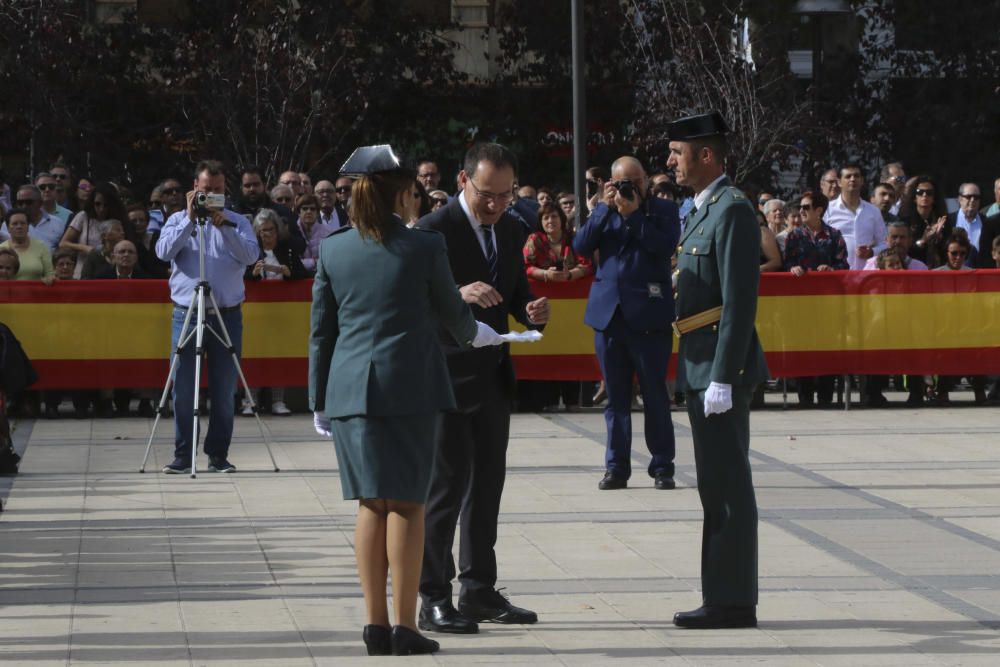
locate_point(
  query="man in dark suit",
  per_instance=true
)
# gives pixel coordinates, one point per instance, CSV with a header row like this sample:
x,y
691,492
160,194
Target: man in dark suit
x,y
630,308
719,362
484,249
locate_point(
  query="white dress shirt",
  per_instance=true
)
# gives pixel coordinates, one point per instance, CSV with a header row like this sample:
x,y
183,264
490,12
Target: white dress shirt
x,y
864,226
972,227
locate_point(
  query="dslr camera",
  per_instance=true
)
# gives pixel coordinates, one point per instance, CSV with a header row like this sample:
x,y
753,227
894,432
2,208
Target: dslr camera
x,y
209,200
625,187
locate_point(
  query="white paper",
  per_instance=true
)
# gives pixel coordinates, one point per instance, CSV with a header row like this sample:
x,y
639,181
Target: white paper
x,y
522,336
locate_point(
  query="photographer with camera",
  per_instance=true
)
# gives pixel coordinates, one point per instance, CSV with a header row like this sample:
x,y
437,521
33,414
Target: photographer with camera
x,y
230,246
631,307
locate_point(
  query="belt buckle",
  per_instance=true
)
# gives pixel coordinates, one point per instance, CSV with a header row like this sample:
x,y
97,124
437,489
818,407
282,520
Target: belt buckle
x,y
677,331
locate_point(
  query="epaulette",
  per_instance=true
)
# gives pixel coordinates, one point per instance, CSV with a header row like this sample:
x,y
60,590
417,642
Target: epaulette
x,y
737,193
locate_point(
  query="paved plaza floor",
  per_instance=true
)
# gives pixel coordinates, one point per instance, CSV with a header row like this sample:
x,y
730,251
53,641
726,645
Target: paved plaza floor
x,y
879,545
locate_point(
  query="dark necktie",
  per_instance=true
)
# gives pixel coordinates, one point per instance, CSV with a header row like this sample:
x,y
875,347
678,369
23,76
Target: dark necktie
x,y
491,253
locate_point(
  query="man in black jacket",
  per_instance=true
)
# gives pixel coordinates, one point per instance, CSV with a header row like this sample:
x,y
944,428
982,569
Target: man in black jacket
x,y
484,250
253,197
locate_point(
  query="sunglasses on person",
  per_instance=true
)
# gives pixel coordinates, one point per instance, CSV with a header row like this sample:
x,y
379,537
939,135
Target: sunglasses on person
x,y
170,191
343,189
805,207
972,197
47,186
924,193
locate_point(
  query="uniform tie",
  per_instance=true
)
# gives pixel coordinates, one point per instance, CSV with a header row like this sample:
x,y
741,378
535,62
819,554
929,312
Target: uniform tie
x,y
491,253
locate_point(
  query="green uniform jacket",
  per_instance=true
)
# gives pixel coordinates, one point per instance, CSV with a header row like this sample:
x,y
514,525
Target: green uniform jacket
x,y
718,261
373,343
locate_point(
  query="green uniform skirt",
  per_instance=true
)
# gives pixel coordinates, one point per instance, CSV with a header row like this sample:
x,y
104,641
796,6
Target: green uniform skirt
x,y
385,457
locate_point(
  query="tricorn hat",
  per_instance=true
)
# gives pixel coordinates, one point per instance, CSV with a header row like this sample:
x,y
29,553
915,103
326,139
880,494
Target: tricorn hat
x,y
372,159
695,127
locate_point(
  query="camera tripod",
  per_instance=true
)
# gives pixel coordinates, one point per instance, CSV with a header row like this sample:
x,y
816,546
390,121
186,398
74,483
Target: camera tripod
x,y
203,303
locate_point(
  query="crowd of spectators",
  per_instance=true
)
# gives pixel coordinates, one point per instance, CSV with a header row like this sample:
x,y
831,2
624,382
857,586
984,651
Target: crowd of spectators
x,y
57,227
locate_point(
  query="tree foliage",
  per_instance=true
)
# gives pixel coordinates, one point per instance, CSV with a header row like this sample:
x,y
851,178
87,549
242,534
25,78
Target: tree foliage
x,y
286,84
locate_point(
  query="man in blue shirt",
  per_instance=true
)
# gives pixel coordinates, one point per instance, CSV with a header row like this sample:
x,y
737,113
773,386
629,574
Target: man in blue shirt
x,y
230,246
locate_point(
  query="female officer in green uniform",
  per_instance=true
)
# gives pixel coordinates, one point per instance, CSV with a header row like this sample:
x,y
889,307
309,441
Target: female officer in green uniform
x,y
377,379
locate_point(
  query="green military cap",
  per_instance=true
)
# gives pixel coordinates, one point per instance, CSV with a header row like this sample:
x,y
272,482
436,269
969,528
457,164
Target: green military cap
x,y
696,127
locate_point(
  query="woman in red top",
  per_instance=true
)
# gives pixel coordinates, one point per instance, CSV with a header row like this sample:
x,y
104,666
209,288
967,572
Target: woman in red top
x,y
549,257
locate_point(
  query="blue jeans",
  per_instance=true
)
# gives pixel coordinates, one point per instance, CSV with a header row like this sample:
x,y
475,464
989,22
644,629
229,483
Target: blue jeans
x,y
222,378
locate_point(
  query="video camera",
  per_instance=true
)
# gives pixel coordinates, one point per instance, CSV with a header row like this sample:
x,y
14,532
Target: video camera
x,y
205,202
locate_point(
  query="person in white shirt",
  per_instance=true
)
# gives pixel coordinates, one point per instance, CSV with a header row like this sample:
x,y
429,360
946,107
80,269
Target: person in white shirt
x,y
859,222
898,238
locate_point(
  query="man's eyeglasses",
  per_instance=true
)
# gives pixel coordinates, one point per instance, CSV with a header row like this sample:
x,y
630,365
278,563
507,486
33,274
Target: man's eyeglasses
x,y
924,193
504,198
344,189
47,186
972,197
170,191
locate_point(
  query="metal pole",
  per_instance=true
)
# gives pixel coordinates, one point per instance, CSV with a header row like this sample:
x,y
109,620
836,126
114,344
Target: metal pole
x,y
579,113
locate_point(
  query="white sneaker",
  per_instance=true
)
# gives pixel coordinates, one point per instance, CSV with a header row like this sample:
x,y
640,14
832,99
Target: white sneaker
x,y
247,410
279,408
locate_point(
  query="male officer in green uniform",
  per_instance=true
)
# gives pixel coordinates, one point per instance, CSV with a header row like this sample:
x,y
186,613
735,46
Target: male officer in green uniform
x,y
719,362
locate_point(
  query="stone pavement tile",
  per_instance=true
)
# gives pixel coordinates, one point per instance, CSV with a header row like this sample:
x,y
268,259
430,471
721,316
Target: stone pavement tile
x,y
984,599
34,633
128,632
912,547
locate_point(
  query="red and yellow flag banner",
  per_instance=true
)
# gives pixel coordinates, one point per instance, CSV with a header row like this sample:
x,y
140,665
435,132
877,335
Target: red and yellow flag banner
x,y
105,334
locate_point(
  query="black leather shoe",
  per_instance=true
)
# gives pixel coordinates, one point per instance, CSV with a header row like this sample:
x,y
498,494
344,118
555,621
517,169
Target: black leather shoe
x,y
664,482
490,606
445,618
410,642
709,617
612,481
378,640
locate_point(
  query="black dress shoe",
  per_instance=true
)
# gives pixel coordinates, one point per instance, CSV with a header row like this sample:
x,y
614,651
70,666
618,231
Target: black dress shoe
x,y
445,618
378,640
664,482
709,617
489,606
410,642
612,481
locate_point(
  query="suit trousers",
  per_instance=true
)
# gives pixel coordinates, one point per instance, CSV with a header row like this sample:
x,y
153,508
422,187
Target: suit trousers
x,y
623,353
729,530
469,471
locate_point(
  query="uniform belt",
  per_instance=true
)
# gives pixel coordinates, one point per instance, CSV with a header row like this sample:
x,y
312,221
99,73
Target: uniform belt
x,y
697,321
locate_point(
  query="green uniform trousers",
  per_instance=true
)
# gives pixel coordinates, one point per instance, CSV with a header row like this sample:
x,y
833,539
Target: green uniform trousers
x,y
729,532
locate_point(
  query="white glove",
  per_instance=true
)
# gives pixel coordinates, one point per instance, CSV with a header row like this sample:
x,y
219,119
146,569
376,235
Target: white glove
x,y
718,398
321,423
485,335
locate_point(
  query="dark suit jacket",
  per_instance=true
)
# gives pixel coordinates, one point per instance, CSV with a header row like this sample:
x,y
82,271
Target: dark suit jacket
x,y
633,268
110,273
471,369
991,228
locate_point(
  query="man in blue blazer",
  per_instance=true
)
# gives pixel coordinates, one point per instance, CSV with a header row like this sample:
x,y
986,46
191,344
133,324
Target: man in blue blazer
x,y
631,306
